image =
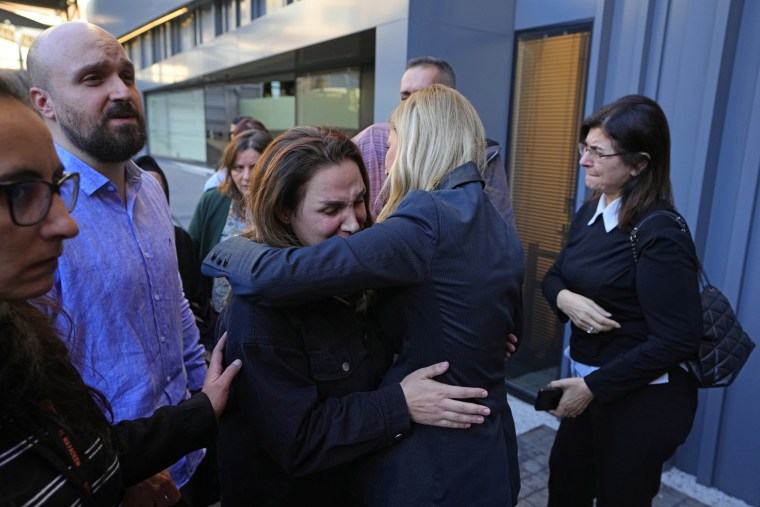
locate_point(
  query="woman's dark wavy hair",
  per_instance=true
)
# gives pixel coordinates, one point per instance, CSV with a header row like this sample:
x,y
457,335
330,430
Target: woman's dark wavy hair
x,y
35,369
636,124
278,182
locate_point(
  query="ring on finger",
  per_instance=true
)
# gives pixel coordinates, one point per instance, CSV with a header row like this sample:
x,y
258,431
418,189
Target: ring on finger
x,y
590,329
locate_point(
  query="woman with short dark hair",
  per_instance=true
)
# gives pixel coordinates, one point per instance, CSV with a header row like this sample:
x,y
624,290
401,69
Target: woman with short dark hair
x,y
629,404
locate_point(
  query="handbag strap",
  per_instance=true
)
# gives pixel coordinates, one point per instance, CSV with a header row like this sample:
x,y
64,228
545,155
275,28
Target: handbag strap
x,y
703,280
47,432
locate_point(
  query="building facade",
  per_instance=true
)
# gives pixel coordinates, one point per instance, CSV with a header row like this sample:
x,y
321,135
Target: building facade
x,y
533,69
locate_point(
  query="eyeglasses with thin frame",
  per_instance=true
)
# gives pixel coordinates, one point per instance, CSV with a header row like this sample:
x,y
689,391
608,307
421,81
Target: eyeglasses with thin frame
x,y
583,148
29,201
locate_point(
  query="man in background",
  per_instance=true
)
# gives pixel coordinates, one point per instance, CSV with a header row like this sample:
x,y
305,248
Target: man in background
x,y
422,72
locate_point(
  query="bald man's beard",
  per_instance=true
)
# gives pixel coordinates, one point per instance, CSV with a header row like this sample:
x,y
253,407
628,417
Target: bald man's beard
x,y
101,141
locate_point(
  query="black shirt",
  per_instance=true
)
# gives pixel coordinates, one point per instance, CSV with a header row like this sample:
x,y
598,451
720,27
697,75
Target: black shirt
x,y
656,301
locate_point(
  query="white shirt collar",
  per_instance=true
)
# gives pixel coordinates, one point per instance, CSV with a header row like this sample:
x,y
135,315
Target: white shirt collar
x,y
609,213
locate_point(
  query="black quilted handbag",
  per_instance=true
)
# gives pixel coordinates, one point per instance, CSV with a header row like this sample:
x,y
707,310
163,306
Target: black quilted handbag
x,y
725,347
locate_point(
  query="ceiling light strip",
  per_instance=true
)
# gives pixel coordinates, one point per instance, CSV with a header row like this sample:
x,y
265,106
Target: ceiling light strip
x,y
153,24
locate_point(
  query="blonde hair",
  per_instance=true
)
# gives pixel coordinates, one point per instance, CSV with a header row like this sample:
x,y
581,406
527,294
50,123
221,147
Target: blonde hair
x,y
437,130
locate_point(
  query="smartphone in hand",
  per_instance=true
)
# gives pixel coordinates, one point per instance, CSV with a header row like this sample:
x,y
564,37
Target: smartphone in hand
x,y
548,398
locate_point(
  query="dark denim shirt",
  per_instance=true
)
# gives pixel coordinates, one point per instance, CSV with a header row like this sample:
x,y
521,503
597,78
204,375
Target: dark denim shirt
x,y
304,406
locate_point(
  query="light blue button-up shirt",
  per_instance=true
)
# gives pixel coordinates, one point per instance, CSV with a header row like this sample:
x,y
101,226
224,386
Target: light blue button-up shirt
x,y
134,337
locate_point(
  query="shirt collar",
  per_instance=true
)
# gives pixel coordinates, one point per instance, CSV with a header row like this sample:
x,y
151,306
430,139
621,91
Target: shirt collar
x,y
461,175
90,180
609,213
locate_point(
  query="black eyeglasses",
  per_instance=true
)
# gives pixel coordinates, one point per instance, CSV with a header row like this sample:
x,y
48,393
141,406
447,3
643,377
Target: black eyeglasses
x,y
29,200
583,148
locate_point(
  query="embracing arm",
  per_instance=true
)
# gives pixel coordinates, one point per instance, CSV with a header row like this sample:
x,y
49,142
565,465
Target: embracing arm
x,y
435,404
305,430
302,433
395,252
148,445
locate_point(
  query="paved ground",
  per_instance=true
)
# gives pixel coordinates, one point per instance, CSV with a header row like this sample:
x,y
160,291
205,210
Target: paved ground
x,y
534,447
536,432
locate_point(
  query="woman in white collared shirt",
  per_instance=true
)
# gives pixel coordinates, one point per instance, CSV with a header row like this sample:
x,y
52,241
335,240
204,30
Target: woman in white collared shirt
x,y
629,404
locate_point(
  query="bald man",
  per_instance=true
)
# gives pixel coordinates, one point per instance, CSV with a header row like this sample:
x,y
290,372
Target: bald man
x,y
137,341
422,72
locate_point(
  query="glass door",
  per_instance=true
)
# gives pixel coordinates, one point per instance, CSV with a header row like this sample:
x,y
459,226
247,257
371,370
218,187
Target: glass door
x,y
547,107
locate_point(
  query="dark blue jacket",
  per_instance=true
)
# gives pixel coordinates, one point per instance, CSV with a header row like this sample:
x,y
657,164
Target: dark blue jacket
x,y
305,404
450,271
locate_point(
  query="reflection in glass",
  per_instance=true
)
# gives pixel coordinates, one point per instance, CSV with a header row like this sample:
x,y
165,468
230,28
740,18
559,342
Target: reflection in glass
x,y
330,99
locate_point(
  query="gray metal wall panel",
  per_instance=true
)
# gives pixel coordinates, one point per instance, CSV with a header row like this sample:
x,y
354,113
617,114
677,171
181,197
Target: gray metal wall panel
x,y
732,250
538,13
477,39
689,84
630,28
390,60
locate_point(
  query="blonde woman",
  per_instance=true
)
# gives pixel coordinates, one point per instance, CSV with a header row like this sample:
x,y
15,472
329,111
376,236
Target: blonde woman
x,y
448,271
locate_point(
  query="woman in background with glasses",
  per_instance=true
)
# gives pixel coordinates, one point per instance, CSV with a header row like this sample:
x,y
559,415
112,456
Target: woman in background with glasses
x,y
220,213
628,404
57,446
239,124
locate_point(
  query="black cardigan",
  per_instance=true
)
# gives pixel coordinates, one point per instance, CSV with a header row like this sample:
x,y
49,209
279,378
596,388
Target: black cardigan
x,y
656,301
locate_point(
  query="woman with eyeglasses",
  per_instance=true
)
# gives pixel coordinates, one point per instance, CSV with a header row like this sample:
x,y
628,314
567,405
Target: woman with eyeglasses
x,y
629,404
57,446
239,124
220,213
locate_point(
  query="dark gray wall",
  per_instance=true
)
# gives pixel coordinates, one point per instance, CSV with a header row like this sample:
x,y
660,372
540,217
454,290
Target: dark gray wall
x,y
476,37
728,446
